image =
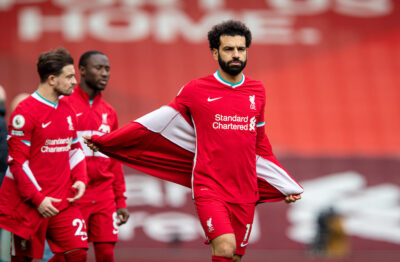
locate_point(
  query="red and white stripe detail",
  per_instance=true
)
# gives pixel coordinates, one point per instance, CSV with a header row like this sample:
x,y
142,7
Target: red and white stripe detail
x,y
172,125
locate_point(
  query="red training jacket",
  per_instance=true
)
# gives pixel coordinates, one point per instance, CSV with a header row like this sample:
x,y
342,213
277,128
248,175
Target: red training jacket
x,y
97,117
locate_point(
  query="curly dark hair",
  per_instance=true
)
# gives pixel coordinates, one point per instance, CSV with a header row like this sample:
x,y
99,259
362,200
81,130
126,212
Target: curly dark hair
x,y
52,63
230,28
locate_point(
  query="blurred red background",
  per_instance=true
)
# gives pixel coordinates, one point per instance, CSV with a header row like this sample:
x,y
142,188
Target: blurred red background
x,y
330,68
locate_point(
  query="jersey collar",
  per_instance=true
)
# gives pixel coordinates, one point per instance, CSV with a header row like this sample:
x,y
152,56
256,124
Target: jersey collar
x,y
44,100
85,96
233,85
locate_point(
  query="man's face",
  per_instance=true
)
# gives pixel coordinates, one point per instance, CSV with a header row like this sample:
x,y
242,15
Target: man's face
x,y
232,54
65,82
96,72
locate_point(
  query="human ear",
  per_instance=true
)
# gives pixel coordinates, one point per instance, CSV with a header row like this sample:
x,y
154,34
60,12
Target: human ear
x,y
215,54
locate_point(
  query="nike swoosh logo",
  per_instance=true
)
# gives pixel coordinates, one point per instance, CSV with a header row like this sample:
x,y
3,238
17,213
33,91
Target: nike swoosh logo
x,y
45,125
213,99
243,245
78,114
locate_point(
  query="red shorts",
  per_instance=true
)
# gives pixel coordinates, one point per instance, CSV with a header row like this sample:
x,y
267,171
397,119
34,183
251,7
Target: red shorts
x,y
64,231
101,220
218,217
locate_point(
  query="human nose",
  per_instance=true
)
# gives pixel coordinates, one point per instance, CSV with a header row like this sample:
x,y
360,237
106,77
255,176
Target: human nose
x,y
104,72
235,53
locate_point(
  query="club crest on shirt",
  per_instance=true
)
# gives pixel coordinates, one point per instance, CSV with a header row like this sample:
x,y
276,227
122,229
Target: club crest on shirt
x,y
209,224
24,245
105,128
70,125
18,121
252,102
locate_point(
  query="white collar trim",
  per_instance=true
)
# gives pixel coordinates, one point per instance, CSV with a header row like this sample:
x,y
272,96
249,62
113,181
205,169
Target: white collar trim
x,y
233,85
44,100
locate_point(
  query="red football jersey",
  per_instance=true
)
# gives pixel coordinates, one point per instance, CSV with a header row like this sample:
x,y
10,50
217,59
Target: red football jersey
x,y
97,117
227,119
165,143
45,159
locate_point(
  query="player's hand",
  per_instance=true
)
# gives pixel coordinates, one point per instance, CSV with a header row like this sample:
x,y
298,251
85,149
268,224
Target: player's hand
x,y
46,208
123,215
292,198
88,141
80,188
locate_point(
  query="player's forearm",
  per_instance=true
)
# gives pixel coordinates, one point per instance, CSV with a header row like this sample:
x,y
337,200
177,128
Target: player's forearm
x,y
27,186
119,192
79,173
119,186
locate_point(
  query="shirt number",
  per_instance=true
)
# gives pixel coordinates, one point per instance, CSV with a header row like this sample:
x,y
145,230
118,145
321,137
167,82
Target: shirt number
x,y
81,230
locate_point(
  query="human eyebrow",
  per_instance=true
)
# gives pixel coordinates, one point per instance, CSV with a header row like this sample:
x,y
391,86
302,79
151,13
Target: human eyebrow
x,y
228,47
100,66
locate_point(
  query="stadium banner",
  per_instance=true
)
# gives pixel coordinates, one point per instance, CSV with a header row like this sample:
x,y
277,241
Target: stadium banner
x,y
331,73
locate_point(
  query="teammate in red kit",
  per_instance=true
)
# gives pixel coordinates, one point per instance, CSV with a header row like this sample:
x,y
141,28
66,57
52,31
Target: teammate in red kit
x,y
103,205
47,169
220,118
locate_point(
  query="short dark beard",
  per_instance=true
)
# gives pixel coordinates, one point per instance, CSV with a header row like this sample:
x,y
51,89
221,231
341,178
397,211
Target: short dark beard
x,y
231,70
93,86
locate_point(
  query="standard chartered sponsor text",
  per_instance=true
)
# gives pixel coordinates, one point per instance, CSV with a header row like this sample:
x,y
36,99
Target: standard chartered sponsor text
x,y
50,145
234,118
58,141
241,122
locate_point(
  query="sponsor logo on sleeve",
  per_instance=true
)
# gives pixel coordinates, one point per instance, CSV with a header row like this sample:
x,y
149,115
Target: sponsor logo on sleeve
x,y
17,133
18,122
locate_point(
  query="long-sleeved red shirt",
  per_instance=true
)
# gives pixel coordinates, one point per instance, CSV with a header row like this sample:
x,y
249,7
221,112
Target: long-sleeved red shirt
x,y
45,159
219,150
97,117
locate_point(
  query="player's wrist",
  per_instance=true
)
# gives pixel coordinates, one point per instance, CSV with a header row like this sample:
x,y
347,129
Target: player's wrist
x,y
38,198
120,203
83,181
